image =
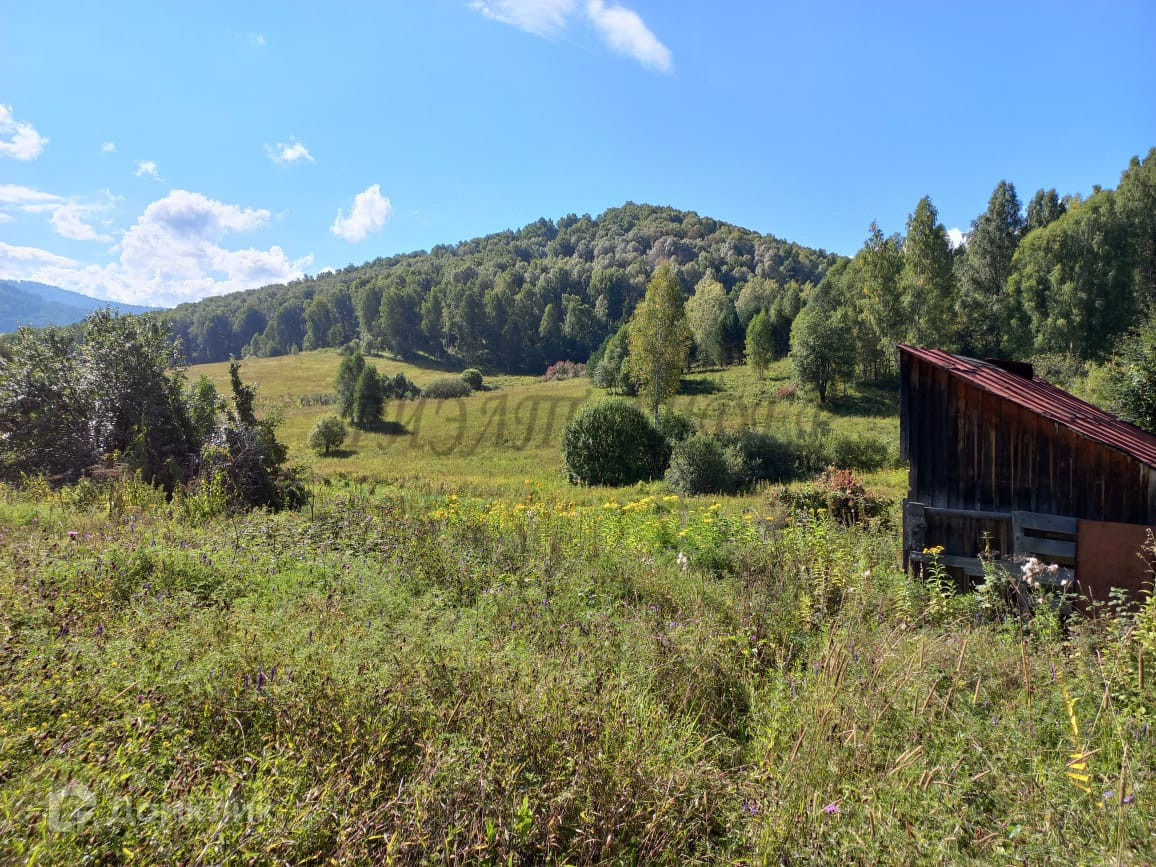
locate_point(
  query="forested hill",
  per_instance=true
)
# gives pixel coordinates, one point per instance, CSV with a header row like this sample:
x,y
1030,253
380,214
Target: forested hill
x,y
23,302
515,300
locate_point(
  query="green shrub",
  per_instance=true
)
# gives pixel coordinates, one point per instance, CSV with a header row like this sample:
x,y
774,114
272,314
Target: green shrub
x,y
612,442
472,377
446,387
701,464
674,427
399,387
763,457
860,452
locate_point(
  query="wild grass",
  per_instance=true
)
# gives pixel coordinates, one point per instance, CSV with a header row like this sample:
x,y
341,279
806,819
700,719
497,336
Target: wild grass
x,y
399,676
451,655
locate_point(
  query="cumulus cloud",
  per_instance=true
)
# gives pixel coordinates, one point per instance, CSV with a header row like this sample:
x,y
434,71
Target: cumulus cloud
x,y
370,211
175,252
109,147
19,139
622,29
146,169
285,153
956,237
626,33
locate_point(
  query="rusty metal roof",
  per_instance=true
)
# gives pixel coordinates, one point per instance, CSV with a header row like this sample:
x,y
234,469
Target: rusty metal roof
x,y
1045,399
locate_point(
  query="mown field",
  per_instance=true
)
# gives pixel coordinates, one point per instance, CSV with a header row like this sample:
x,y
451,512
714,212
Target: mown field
x,y
452,655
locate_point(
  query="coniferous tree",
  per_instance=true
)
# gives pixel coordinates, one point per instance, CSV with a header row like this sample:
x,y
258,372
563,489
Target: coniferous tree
x,y
347,374
368,398
984,303
1044,209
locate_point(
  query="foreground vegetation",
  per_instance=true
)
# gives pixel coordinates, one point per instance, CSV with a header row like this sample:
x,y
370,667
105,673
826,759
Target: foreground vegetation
x,y
396,676
452,654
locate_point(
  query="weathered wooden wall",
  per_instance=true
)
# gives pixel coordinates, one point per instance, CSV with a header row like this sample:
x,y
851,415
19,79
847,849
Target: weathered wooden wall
x,y
971,449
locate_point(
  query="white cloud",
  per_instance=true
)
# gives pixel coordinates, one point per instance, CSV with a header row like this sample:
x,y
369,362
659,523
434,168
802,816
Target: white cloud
x,y
540,17
146,168
109,147
620,28
69,222
257,40
22,197
370,211
68,216
626,33
956,238
19,139
172,254
285,153
25,255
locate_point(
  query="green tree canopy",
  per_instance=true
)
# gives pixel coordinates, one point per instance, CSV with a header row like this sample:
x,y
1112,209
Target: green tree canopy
x,y
983,298
761,342
347,374
822,345
368,398
659,340
328,433
927,279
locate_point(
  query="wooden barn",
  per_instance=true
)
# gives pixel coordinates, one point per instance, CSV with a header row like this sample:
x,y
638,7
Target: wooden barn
x,y
1008,466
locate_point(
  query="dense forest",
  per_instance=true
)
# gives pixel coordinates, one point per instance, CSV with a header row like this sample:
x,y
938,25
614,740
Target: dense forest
x,y
515,300
1064,277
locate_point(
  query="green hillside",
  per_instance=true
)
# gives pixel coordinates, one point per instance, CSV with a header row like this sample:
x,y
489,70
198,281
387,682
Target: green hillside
x,y
514,300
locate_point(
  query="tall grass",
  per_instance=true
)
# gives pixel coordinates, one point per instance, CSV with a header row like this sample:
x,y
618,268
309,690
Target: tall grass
x,y
424,674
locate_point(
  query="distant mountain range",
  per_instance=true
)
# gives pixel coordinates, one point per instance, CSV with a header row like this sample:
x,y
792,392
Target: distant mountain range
x,y
23,302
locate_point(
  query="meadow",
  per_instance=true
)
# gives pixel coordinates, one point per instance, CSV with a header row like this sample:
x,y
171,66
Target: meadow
x,y
453,655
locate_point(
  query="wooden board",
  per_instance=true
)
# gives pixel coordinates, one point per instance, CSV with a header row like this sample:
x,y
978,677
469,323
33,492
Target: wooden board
x,y
1109,555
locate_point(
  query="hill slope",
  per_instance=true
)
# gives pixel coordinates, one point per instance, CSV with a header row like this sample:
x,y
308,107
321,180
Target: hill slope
x,y
513,300
23,302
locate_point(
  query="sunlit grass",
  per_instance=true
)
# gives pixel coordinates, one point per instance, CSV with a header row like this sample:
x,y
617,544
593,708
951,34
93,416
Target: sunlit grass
x,y
494,439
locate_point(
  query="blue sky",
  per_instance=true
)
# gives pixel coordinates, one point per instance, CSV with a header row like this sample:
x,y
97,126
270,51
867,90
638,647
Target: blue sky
x,y
160,152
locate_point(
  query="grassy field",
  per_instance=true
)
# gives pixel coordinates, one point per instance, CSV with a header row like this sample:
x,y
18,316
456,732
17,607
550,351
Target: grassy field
x,y
452,656
492,441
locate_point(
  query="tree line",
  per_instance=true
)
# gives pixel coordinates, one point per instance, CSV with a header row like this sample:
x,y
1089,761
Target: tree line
x,y
516,301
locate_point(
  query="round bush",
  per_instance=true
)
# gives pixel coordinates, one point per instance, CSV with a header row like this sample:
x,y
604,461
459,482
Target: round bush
x,y
446,387
612,442
703,465
472,377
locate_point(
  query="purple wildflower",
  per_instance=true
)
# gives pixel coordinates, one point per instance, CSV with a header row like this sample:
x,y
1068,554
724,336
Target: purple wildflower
x,y
833,807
